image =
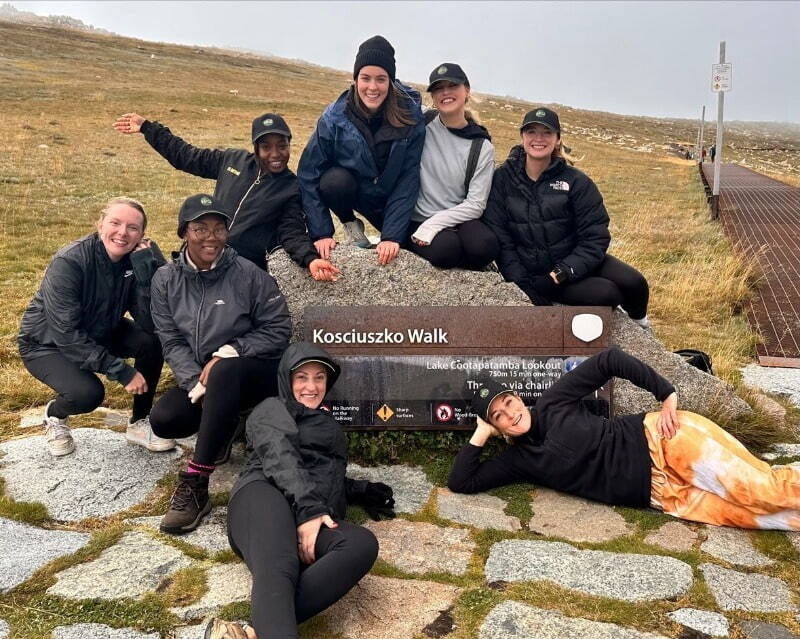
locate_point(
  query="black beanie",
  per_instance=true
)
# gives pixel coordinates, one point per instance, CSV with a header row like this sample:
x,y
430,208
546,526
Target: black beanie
x,y
375,51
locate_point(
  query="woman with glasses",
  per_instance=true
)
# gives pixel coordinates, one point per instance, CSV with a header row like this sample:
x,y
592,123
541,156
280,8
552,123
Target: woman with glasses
x,y
223,324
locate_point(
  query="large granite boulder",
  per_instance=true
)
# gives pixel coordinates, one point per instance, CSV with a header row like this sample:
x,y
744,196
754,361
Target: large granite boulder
x,y
411,281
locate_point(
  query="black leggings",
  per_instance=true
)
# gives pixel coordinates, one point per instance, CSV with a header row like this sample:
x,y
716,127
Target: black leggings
x,y
233,384
470,245
80,391
614,283
338,188
262,531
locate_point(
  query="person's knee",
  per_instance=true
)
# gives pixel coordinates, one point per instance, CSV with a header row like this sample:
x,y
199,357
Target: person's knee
x,y
338,188
605,293
226,371
480,248
86,397
443,252
364,547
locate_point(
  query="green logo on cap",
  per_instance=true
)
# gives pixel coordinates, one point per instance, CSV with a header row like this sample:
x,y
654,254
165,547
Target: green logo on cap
x,y
441,70
484,393
267,122
540,113
206,201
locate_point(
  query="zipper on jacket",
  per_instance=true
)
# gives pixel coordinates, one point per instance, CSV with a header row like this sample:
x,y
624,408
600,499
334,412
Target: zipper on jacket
x,y
244,197
199,312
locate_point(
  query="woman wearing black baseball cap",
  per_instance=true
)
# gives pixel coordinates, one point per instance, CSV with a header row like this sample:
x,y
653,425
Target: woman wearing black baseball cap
x,y
455,179
364,156
553,227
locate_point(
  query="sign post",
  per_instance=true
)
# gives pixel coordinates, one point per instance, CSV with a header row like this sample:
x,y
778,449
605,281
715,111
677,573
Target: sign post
x,y
721,81
700,138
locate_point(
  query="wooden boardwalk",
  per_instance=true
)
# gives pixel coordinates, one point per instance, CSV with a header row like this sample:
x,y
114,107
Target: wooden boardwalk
x,y
762,218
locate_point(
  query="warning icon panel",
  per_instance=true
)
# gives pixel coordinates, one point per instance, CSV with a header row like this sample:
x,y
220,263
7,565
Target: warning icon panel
x,y
385,413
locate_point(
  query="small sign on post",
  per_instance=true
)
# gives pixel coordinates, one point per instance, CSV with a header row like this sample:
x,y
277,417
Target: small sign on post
x,y
721,77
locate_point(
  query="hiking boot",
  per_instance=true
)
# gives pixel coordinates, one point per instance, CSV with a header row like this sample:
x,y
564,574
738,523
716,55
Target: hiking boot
x,y
238,436
219,629
189,504
140,432
354,231
57,433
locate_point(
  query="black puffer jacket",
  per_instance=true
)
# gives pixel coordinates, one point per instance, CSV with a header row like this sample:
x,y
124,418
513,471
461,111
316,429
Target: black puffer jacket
x,y
82,299
302,451
558,219
197,312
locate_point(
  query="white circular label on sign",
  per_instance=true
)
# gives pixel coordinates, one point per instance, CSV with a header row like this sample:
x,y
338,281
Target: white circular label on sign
x,y
587,327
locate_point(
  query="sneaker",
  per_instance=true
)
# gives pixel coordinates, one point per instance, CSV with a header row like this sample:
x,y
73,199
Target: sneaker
x,y
140,432
354,231
219,629
57,433
189,504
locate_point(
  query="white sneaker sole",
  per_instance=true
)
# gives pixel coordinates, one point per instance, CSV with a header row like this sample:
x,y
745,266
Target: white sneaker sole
x,y
59,450
155,448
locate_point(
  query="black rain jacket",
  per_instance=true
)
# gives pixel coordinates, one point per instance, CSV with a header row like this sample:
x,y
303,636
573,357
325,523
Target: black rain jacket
x,y
197,312
301,451
558,219
265,208
81,301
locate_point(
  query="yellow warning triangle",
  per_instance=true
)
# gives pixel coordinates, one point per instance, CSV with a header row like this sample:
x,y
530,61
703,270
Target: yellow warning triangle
x,y
385,413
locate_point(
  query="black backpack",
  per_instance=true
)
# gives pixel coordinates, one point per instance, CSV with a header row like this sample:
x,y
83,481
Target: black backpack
x,y
696,358
474,150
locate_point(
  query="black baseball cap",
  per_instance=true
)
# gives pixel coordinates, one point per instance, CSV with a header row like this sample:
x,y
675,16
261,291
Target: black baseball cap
x,y
270,123
542,115
449,72
484,395
197,206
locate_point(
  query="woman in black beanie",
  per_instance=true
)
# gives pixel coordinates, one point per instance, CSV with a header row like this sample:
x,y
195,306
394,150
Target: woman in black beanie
x,y
364,155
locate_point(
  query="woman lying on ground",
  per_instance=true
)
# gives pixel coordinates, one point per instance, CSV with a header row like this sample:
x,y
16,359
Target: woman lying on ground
x,y
455,179
223,324
675,461
364,155
553,227
286,509
74,327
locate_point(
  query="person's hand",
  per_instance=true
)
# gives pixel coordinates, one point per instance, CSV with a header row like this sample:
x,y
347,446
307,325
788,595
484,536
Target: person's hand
x,y
138,385
197,392
307,536
420,242
667,422
483,433
324,247
207,370
144,243
553,277
323,271
129,123
387,251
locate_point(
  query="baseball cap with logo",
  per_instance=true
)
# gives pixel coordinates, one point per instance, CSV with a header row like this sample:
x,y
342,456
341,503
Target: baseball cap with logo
x,y
447,72
484,395
270,123
197,206
542,115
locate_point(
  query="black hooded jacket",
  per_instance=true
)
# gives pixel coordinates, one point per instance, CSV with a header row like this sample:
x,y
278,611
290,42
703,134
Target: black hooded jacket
x,y
301,451
558,219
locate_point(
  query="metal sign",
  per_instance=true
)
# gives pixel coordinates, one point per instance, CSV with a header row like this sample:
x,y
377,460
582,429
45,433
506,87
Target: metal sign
x,y
721,77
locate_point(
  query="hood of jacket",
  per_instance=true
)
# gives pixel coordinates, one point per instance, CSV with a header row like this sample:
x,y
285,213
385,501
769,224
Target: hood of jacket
x,y
296,355
226,258
472,131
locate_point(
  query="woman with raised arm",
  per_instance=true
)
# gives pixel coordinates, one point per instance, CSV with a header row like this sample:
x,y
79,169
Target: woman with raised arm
x,y
364,156
74,327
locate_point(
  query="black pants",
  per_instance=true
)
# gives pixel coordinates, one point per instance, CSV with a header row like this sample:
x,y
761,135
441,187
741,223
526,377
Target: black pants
x,y
80,391
234,383
339,190
613,284
470,245
262,531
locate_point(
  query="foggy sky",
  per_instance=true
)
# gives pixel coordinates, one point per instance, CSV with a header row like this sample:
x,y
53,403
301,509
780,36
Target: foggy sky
x,y
642,58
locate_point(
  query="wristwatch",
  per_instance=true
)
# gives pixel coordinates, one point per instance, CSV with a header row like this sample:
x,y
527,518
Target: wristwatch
x,y
561,274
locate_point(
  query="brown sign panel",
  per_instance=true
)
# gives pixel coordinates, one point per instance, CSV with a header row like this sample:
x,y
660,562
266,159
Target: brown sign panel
x,y
416,367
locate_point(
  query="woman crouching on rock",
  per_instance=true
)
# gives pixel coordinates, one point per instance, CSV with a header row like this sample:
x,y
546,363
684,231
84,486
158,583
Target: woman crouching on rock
x,y
223,324
675,461
553,227
74,327
455,178
286,509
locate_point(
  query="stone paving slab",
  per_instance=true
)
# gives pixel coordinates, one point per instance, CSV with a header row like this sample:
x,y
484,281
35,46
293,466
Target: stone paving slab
x,y
514,620
673,536
710,623
388,608
212,534
227,583
4,629
133,566
103,476
735,590
624,576
480,510
576,519
100,631
32,417
410,485
419,547
734,546
761,630
24,549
